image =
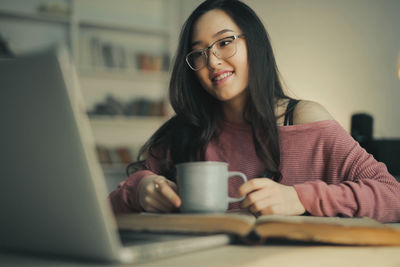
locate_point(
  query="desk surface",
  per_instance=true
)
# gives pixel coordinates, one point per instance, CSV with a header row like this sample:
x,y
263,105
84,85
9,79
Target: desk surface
x,y
234,255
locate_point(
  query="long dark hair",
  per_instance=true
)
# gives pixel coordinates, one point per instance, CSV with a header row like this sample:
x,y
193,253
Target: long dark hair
x,y
186,135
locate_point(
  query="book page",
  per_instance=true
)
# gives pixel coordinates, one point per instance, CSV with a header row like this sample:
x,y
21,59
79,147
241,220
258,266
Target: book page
x,y
334,230
357,221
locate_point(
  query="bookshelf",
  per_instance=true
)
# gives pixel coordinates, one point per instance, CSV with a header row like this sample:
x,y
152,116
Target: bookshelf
x,y
116,131
25,16
120,50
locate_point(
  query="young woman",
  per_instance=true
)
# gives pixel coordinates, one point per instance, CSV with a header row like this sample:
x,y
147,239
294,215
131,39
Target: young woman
x,y
230,106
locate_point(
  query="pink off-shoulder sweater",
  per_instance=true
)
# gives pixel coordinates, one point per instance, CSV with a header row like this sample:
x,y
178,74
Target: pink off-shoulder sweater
x,y
331,173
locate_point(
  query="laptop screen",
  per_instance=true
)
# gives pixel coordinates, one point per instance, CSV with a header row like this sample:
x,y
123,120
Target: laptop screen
x,y
52,188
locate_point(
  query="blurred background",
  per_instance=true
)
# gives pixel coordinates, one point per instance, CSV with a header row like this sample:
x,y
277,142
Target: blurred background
x,y
343,54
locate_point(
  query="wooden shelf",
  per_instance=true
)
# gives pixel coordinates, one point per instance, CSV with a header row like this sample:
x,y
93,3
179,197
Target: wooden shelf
x,y
67,19
114,168
114,131
39,17
124,74
127,121
123,28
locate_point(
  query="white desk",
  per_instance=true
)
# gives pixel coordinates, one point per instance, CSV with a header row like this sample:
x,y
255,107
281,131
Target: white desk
x,y
232,255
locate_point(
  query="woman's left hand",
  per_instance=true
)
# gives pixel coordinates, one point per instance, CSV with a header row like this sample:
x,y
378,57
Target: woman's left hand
x,y
265,196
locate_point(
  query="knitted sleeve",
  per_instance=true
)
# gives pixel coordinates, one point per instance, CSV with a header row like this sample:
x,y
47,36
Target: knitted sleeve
x,y
125,198
358,185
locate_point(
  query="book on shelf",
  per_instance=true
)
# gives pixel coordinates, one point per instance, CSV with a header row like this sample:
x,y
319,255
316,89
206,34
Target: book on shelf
x,y
135,107
124,155
99,53
114,156
108,57
152,61
249,229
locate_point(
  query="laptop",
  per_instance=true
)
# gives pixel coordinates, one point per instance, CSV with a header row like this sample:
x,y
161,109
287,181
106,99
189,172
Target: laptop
x,y
52,188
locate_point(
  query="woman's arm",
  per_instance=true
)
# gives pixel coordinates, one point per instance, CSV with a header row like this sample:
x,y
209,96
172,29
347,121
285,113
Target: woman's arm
x,y
125,198
356,184
145,190
326,173
365,187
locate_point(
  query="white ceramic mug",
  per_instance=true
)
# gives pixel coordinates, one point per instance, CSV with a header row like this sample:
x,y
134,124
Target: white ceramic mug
x,y
203,186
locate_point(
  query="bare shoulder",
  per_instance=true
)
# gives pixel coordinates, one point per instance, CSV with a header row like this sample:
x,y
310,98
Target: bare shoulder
x,y
310,111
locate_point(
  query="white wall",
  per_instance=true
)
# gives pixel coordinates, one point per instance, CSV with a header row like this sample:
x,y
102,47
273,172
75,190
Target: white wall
x,y
341,53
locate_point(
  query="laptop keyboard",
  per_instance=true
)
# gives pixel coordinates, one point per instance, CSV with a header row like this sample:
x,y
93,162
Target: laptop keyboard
x,y
130,238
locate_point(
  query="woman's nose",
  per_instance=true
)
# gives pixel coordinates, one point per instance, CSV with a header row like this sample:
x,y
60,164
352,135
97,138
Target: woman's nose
x,y
213,59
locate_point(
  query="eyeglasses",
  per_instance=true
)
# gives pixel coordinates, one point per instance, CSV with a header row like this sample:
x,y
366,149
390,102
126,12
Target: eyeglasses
x,y
223,48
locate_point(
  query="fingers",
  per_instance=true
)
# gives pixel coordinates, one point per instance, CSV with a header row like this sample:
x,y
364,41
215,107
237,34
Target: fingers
x,y
159,195
168,189
264,206
254,197
261,202
172,185
262,197
155,205
265,196
253,185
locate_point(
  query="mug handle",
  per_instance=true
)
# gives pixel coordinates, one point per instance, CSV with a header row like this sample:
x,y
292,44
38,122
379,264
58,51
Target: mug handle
x,y
244,178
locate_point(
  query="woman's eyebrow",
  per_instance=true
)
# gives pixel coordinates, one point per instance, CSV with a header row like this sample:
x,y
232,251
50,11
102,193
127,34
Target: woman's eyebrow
x,y
222,32
215,35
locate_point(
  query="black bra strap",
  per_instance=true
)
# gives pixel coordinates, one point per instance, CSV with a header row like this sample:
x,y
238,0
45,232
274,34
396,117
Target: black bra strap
x,y
289,112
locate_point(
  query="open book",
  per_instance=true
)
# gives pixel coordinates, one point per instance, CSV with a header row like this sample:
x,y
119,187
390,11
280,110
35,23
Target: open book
x,y
333,230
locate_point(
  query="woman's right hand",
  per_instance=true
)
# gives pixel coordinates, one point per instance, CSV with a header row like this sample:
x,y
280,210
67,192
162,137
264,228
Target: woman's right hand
x,y
158,194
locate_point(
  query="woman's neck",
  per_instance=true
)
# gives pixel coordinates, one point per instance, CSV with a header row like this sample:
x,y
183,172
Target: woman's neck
x,y
233,111
236,117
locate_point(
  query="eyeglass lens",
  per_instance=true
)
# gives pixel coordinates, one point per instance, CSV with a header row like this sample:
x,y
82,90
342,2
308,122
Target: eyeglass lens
x,y
222,49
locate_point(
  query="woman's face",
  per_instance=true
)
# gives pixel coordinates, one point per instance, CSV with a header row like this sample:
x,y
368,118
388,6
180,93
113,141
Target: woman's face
x,y
225,79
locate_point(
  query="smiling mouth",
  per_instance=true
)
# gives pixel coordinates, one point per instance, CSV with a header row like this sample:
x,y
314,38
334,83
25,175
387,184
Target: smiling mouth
x,y
222,77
